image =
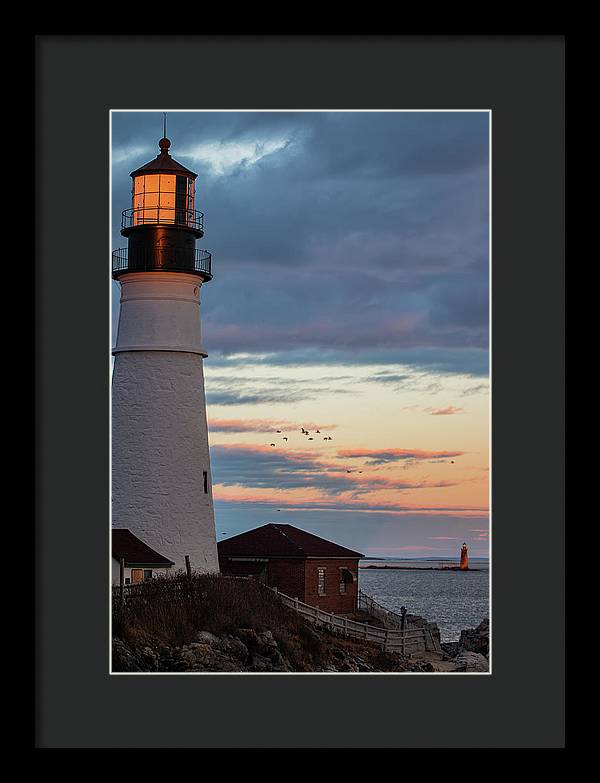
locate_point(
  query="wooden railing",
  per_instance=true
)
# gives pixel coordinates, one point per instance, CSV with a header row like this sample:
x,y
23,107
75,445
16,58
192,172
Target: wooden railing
x,y
393,620
406,642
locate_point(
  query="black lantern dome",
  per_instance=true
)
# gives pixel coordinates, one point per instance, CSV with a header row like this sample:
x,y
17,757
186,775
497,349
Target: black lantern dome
x,y
162,225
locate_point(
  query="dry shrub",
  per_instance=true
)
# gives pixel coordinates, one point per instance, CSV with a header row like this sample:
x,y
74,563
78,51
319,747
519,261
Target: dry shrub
x,y
171,610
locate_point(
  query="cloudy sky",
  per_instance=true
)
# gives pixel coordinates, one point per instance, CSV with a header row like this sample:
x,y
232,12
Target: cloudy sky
x,y
350,296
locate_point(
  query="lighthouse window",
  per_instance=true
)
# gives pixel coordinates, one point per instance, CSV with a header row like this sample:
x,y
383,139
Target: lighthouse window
x,y
190,202
205,476
181,200
162,198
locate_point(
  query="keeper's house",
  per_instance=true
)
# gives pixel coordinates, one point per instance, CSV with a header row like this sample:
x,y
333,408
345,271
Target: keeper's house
x,y
300,564
141,562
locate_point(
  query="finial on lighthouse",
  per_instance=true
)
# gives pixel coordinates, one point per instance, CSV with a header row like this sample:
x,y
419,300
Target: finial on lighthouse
x,y
164,143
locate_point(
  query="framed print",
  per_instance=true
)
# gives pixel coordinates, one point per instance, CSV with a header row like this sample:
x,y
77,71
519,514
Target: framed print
x,y
298,344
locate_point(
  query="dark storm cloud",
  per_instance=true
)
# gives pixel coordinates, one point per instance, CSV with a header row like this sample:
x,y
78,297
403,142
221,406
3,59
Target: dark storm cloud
x,y
344,232
264,467
273,468
384,456
431,360
240,398
239,390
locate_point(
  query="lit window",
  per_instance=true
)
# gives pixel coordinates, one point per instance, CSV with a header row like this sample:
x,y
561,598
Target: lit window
x,y
321,581
163,198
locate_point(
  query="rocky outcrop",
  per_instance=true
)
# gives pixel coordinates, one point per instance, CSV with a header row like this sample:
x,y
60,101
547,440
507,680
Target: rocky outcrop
x,y
471,652
476,639
248,650
471,662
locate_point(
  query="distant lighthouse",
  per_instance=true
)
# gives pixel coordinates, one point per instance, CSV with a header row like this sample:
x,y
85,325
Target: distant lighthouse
x,y
161,479
464,558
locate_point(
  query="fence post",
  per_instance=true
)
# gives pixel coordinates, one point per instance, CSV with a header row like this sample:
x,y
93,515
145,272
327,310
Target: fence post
x,y
402,628
121,580
275,589
188,567
296,603
385,644
345,626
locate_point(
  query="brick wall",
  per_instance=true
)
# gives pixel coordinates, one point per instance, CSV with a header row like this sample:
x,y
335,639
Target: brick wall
x,y
333,600
287,576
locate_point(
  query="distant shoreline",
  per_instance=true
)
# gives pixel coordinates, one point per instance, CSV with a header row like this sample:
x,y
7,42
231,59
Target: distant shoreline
x,y
425,568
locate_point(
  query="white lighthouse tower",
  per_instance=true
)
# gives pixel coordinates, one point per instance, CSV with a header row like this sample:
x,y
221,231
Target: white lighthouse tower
x,y
161,480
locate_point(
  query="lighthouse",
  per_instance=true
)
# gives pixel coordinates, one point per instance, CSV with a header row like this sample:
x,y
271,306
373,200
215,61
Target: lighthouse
x,y
464,557
161,478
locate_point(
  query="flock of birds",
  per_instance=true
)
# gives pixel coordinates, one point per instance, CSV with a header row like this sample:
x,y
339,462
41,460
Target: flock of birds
x,y
304,432
307,433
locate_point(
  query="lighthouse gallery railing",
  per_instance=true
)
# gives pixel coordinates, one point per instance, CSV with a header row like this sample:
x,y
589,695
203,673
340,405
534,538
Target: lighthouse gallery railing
x,y
120,263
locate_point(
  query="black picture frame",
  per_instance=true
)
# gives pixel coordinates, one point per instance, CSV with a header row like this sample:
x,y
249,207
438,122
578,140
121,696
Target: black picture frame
x,y
78,80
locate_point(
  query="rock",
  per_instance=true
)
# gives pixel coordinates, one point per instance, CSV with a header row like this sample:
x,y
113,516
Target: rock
x,y
451,649
235,647
248,636
476,639
266,644
471,662
421,666
260,664
124,659
206,637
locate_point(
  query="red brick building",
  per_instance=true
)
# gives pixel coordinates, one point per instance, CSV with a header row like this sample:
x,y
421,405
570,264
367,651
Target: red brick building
x,y
300,564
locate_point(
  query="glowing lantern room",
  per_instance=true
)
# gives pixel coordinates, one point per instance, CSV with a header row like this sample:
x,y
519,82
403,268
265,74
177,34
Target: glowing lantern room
x,y
162,224
163,193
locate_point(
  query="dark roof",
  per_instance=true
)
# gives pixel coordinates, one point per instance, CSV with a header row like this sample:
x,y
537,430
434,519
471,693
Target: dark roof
x,y
125,544
163,163
282,541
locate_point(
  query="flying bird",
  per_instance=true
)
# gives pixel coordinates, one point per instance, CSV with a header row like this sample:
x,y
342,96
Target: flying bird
x,y
278,430
272,444
311,438
319,431
284,438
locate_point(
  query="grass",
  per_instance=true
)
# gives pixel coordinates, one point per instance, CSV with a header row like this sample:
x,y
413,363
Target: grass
x,y
171,611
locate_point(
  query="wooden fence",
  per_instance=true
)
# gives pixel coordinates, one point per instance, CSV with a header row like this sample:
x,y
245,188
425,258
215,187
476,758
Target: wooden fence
x,y
406,642
394,621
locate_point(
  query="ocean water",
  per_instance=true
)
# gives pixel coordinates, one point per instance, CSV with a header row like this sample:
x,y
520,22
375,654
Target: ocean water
x,y
452,599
